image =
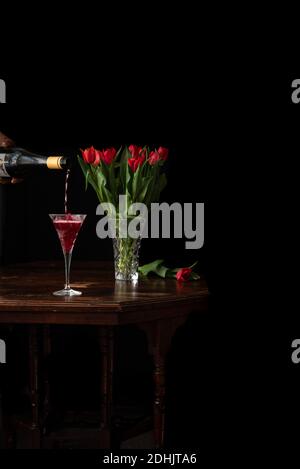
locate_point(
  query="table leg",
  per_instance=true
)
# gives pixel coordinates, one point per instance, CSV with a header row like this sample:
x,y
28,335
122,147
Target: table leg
x,y
33,372
159,335
106,337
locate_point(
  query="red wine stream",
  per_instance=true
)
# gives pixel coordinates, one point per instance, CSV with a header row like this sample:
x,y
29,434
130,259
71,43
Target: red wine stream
x,y
66,190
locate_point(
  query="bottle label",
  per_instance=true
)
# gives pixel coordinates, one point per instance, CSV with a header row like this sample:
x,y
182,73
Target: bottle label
x,y
3,172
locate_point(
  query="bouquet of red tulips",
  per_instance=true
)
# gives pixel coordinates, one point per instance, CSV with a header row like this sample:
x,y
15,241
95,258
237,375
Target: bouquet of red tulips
x,y
135,173
132,171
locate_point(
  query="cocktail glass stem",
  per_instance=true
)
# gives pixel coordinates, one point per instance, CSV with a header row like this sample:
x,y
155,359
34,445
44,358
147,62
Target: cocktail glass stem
x,y
68,259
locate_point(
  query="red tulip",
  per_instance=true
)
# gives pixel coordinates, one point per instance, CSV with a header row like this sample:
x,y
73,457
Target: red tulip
x,y
163,153
184,274
98,157
143,154
154,158
134,163
158,155
138,156
108,155
89,155
135,151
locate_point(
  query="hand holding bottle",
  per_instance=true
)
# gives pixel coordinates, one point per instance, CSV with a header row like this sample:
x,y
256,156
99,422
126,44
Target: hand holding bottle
x,y
10,180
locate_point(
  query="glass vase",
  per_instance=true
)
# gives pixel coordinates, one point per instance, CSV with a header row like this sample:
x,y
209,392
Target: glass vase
x,y
126,258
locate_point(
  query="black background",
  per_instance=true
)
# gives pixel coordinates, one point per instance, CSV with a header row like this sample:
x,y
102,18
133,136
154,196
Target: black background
x,y
194,171
229,122
60,116
235,383
233,145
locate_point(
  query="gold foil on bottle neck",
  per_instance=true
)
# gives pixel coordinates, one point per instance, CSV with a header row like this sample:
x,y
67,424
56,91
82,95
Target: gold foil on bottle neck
x,y
54,162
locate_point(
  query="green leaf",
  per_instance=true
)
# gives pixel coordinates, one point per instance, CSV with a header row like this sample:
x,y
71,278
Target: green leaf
x,y
162,271
110,183
104,169
124,170
157,267
162,183
86,169
109,197
195,276
87,179
118,153
174,271
171,273
105,193
151,267
101,181
93,177
136,183
117,179
101,177
151,193
146,182
82,164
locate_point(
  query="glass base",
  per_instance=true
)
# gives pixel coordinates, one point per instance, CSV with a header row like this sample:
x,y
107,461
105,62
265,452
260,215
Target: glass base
x,y
67,292
125,276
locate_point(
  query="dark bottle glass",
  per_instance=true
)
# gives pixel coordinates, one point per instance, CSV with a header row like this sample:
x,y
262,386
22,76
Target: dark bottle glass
x,y
17,162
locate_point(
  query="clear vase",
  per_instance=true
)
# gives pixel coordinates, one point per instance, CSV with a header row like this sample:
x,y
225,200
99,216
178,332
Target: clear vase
x,y
126,258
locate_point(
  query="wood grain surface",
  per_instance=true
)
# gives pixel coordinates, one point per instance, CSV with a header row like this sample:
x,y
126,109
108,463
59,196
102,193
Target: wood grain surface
x,y
26,296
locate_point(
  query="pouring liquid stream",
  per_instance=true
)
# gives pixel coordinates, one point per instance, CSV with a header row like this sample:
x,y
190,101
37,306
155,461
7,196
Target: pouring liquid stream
x,y
66,190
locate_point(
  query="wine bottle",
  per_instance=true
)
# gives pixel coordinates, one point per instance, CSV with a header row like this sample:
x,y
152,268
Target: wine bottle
x,y
17,162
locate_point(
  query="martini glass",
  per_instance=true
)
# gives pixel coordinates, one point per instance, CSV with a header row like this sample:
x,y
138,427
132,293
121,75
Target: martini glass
x,y
67,227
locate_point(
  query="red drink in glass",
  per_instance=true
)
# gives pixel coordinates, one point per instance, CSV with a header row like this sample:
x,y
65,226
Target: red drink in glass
x,y
67,227
67,231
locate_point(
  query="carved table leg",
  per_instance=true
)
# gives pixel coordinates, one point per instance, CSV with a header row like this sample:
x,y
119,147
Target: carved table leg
x,y
159,335
33,371
106,337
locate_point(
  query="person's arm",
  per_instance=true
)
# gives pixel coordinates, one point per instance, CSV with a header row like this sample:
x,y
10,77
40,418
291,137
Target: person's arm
x,y
10,180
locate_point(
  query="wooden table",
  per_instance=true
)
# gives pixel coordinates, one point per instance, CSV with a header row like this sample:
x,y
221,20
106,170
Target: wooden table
x,y
156,306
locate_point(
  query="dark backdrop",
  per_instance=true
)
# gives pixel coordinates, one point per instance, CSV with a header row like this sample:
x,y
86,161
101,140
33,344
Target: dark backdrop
x,y
27,233
218,154
195,173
